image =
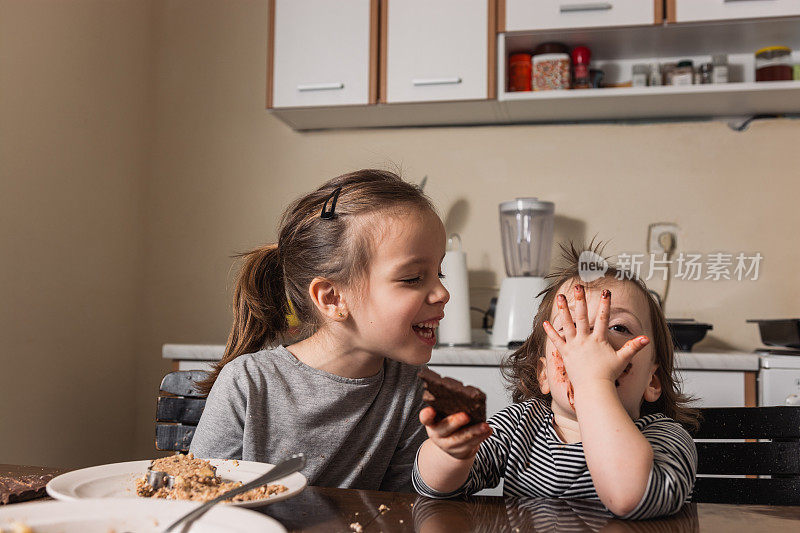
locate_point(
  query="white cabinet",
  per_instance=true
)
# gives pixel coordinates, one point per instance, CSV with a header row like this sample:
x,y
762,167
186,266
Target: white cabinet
x,y
713,388
779,380
322,52
700,10
436,50
553,14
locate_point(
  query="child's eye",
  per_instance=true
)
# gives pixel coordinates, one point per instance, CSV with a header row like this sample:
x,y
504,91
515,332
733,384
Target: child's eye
x,y
441,276
620,328
412,281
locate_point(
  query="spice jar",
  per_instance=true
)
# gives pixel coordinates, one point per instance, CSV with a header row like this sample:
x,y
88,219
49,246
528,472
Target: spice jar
x,y
639,78
667,70
683,73
519,72
655,74
580,68
550,67
774,63
719,72
704,73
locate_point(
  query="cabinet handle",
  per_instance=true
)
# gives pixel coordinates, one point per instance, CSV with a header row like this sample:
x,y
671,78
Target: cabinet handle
x,y
436,81
320,87
593,6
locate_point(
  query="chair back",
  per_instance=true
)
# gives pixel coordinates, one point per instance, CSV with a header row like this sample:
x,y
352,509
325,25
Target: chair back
x,y
752,442
179,407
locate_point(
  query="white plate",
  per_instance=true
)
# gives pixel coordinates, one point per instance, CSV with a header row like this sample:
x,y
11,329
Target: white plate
x,y
142,515
118,480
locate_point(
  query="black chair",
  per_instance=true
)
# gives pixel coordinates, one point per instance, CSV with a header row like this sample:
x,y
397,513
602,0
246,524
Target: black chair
x,y
779,458
179,408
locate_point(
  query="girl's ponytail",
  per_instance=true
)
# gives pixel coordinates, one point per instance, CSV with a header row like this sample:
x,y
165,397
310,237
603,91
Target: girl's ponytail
x,y
322,234
260,308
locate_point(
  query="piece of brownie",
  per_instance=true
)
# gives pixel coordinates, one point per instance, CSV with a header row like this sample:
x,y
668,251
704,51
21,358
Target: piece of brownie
x,y
24,487
449,396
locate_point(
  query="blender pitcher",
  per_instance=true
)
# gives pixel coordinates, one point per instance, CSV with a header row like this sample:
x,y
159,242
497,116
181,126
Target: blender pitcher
x,y
526,230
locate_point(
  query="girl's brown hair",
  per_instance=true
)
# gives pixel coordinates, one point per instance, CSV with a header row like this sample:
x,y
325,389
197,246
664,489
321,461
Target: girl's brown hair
x,y
522,367
336,248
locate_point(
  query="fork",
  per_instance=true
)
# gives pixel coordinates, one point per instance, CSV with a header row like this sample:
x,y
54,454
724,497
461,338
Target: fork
x,y
282,469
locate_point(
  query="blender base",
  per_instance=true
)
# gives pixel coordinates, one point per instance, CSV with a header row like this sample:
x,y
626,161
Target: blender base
x,y
516,307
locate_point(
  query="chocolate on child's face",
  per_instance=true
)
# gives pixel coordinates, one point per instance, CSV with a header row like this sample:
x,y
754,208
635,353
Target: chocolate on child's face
x,y
629,318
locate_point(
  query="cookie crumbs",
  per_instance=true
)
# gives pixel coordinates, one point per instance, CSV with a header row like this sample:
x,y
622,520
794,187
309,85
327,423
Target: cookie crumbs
x,y
355,526
383,508
197,480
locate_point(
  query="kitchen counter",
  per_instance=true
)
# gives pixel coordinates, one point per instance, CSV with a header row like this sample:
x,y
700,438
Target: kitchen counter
x,y
489,356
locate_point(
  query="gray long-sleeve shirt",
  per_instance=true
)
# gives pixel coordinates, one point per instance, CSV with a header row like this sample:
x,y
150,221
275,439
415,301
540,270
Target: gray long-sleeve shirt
x,y
356,432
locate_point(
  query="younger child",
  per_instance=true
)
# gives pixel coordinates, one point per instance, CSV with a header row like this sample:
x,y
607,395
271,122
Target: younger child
x,y
358,261
598,410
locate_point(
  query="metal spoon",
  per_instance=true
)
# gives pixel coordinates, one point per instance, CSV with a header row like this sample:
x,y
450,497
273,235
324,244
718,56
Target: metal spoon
x,y
282,469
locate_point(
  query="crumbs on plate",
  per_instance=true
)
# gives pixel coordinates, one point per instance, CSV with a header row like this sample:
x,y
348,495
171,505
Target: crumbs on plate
x,y
197,480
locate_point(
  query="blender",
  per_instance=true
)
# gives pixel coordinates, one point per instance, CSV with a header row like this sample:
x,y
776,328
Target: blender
x,y
526,229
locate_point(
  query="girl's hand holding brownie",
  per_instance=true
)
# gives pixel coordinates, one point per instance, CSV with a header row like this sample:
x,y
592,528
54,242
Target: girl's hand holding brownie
x,y
451,436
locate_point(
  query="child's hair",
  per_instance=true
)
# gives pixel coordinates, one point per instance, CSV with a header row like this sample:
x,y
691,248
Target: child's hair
x,y
522,367
335,247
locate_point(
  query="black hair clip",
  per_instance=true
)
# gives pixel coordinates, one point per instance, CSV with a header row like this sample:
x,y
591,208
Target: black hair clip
x,y
329,214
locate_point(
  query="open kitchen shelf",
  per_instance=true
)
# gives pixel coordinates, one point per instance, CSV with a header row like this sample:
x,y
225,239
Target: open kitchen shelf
x,y
614,50
628,103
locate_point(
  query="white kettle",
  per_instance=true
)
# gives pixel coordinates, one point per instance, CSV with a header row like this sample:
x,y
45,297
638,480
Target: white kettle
x,y
454,328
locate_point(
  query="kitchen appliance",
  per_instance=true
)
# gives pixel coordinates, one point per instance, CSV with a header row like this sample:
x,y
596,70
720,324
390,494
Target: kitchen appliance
x,y
526,231
454,328
686,332
778,378
779,368
780,332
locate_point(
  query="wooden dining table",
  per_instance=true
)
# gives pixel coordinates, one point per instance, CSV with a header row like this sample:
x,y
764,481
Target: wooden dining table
x,y
326,509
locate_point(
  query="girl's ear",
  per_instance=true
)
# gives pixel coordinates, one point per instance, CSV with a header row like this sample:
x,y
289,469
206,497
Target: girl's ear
x,y
541,375
653,390
328,299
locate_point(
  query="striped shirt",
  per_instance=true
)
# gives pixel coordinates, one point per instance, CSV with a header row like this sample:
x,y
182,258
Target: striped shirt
x,y
525,450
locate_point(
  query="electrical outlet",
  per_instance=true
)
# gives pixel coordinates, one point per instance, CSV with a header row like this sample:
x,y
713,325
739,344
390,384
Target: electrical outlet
x,y
654,233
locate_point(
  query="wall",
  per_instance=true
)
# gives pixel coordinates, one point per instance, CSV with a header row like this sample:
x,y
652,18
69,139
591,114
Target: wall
x,y
224,168
136,157
74,125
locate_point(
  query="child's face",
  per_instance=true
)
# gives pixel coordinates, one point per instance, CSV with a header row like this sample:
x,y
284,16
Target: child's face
x,y
402,300
629,318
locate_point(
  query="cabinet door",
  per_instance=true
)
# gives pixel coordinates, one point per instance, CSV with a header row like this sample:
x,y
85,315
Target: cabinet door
x,y
436,50
321,52
713,388
698,10
554,14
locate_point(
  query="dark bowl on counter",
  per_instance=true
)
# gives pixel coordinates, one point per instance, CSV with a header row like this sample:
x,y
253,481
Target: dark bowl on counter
x,y
784,332
686,333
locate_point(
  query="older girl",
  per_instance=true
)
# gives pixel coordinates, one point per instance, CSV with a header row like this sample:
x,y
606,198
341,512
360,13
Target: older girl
x,y
358,260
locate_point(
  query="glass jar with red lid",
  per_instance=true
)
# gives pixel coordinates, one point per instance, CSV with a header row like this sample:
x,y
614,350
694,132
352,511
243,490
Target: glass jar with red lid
x,y
519,72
